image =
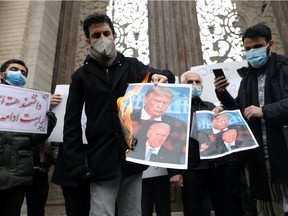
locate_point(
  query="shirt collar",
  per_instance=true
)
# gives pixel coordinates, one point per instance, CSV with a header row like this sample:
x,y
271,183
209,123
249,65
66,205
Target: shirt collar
x,y
148,147
146,116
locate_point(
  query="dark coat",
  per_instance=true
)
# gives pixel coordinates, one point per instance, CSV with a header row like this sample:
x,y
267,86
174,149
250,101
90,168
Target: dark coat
x,y
16,161
276,117
99,88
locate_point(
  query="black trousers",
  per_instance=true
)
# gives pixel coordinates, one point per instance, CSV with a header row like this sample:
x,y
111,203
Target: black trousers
x,y
11,201
215,181
37,193
77,200
156,191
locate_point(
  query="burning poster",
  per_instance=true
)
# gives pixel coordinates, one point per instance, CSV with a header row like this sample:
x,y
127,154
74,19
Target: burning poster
x,y
156,120
23,110
223,134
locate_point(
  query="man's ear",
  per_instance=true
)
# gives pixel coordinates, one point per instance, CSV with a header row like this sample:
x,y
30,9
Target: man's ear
x,y
1,75
271,42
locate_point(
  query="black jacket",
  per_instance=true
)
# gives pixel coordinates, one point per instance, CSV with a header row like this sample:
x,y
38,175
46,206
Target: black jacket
x,y
99,88
276,117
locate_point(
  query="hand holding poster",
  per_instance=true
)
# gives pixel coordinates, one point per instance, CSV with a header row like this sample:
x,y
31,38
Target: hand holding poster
x,y
23,110
223,134
159,121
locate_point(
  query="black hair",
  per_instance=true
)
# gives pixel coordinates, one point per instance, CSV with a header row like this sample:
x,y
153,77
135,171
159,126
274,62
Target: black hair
x,y
96,18
6,64
256,31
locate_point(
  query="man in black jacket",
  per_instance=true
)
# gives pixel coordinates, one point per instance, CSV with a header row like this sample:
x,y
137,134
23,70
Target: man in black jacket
x,y
202,176
99,83
263,100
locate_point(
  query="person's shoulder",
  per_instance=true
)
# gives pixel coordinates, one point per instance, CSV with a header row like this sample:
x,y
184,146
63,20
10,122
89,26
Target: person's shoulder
x,y
83,65
243,71
281,59
208,105
130,60
136,114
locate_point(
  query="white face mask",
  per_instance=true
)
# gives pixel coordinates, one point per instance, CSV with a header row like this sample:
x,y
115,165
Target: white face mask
x,y
197,91
103,47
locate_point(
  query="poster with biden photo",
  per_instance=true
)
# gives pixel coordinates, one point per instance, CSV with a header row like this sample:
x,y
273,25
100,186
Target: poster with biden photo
x,y
156,123
223,134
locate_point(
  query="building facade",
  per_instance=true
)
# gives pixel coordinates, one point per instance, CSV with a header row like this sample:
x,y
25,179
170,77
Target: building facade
x,y
48,36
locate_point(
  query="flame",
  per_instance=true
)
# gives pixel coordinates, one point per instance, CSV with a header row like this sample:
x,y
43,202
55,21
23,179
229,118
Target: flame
x,y
124,114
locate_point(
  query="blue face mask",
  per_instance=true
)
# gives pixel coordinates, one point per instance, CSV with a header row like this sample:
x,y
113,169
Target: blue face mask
x,y
196,91
15,78
257,57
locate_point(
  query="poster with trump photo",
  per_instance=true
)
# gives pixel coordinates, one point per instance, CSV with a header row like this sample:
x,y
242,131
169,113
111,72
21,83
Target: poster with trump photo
x,y
223,134
156,121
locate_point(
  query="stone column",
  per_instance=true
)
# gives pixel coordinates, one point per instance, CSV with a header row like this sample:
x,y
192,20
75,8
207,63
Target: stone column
x,y
174,39
280,9
67,42
269,12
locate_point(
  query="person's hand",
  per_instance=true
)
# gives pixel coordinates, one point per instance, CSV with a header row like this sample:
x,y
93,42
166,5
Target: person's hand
x,y
253,111
220,84
55,99
158,78
203,147
176,180
217,110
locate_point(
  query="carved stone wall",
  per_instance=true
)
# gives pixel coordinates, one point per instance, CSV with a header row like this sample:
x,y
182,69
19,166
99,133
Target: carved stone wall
x,y
71,45
280,9
253,12
86,8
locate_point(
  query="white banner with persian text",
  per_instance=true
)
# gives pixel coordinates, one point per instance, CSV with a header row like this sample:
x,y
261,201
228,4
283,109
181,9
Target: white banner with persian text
x,y
23,110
